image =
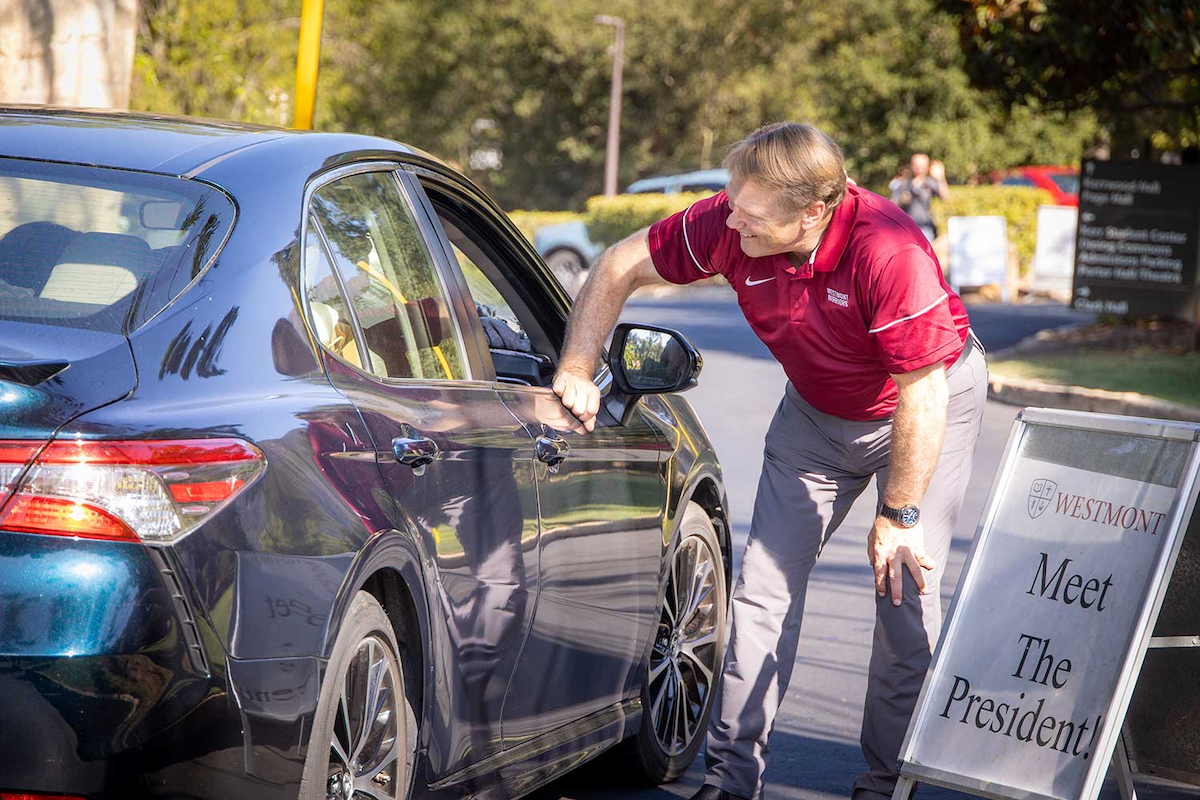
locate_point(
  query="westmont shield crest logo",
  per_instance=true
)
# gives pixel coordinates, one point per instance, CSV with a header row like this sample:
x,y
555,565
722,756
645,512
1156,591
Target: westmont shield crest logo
x,y
1040,494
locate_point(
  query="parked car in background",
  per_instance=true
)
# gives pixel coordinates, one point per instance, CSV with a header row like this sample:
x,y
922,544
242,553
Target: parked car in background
x,y
288,507
705,180
1061,182
568,251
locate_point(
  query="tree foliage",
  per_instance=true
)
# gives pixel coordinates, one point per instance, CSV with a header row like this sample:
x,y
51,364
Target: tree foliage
x,y
517,94
1136,62
229,59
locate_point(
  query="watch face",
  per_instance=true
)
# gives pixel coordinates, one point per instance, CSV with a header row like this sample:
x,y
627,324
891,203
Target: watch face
x,y
909,516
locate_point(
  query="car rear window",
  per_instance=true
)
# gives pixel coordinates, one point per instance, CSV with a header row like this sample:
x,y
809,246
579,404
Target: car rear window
x,y
1067,182
102,249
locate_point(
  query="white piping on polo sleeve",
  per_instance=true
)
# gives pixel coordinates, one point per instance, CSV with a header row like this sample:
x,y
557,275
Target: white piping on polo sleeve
x,y
688,242
927,308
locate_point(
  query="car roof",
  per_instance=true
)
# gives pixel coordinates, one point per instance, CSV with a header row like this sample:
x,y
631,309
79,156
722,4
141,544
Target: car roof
x,y
1044,169
662,182
170,145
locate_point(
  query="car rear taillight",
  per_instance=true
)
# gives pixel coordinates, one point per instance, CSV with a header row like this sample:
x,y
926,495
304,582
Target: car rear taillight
x,y
150,491
13,458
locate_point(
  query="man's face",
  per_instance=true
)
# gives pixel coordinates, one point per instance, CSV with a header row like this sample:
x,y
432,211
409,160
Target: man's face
x,y
919,164
761,218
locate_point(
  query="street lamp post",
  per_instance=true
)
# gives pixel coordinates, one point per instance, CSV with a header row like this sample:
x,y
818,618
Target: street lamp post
x,y
613,149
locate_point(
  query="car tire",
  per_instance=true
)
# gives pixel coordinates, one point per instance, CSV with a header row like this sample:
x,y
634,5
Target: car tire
x,y
569,267
663,748
345,753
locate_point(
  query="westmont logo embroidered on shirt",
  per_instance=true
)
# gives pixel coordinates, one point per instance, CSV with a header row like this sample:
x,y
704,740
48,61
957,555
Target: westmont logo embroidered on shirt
x,y
840,299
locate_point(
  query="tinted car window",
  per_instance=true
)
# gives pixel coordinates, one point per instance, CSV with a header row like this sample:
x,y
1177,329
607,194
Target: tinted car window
x,y
1016,180
1067,182
327,306
494,310
389,277
102,249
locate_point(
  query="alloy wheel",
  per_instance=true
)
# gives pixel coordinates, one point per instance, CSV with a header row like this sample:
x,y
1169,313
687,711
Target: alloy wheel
x,y
367,746
684,659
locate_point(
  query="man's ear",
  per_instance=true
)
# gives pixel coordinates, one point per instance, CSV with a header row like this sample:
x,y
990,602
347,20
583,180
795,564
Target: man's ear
x,y
813,215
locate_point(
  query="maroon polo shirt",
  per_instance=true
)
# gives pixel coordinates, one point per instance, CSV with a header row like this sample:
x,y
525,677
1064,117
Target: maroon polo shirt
x,y
871,301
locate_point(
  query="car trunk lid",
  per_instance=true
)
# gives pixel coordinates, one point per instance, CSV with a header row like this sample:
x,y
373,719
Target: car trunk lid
x,y
48,376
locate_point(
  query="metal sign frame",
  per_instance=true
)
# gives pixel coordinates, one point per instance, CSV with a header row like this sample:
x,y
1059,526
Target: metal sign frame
x,y
1181,510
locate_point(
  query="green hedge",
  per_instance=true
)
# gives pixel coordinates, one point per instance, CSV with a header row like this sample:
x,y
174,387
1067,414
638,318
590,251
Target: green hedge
x,y
530,221
610,219
1016,204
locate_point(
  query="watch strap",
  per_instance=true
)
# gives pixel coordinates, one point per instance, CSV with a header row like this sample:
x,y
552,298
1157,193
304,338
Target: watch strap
x,y
897,514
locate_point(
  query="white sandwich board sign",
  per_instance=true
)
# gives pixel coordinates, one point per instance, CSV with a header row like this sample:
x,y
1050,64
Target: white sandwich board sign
x,y
1029,685
978,250
1054,258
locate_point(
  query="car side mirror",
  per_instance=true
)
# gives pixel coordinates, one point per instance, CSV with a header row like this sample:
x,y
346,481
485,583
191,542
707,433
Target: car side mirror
x,y
646,359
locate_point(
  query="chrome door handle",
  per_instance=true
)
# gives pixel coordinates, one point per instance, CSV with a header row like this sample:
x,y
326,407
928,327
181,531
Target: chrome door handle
x,y
414,450
552,449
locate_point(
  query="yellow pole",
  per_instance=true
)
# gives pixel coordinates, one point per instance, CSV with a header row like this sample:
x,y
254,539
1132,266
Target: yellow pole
x,y
307,62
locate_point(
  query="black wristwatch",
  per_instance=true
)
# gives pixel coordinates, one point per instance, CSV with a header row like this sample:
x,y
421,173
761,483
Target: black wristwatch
x,y
907,516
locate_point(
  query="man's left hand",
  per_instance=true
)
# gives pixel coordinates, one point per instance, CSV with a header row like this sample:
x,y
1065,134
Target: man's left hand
x,y
891,546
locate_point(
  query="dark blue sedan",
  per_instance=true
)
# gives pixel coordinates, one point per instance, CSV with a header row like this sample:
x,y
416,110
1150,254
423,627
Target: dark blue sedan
x,y
287,506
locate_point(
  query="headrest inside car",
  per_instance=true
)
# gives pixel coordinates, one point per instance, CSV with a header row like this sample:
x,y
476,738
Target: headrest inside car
x,y
98,269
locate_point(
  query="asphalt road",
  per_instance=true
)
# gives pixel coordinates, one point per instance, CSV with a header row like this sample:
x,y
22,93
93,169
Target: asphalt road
x,y
814,749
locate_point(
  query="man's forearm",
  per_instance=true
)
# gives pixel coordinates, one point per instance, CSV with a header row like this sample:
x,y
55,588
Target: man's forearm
x,y
620,270
918,428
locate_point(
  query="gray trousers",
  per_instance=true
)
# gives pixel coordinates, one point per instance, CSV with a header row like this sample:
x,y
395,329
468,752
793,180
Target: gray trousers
x,y
815,466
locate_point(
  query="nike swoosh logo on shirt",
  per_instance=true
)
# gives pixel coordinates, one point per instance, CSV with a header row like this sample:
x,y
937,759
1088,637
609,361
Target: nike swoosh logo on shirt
x,y
756,283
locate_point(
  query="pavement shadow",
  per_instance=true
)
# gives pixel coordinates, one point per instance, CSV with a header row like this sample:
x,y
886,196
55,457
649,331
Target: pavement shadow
x,y
812,769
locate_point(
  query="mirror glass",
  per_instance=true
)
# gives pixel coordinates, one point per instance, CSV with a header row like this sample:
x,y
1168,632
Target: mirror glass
x,y
654,361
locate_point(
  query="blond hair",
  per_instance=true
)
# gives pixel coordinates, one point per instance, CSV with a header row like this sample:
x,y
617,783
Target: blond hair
x,y
801,163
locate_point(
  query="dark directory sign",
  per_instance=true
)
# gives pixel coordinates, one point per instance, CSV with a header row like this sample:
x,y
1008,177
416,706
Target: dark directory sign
x,y
1136,250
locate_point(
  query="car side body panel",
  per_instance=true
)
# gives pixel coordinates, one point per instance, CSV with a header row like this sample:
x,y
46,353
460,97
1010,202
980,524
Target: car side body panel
x,y
244,610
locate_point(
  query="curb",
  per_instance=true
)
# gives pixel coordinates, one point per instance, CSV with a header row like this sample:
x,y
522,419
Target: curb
x,y
1023,392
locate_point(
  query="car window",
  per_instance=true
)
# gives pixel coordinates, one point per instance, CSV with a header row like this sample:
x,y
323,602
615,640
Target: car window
x,y
501,324
1016,180
389,277
501,284
518,311
101,249
703,186
1067,182
327,306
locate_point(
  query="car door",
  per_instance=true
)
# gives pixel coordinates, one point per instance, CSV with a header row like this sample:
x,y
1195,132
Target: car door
x,y
601,494
458,466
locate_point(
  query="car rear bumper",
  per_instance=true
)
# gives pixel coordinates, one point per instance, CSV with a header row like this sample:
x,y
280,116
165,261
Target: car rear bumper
x,y
104,692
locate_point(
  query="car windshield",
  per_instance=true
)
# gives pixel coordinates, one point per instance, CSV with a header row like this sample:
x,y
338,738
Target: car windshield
x,y
1068,182
101,249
